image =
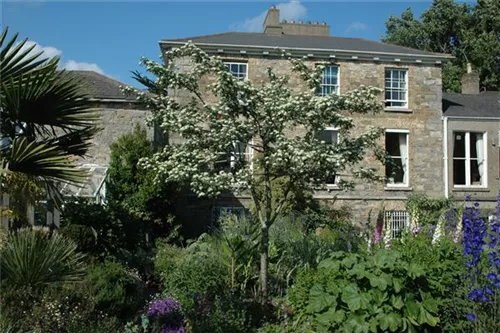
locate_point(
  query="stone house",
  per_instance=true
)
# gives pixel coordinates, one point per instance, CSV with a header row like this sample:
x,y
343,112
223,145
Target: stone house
x,y
119,114
412,118
471,150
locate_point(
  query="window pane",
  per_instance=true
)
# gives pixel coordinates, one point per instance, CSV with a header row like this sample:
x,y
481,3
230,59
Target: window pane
x,y
459,172
459,145
394,171
329,136
387,74
476,170
392,144
476,145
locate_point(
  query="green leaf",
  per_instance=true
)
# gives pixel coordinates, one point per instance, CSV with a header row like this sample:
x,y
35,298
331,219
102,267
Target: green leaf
x,y
425,317
397,302
415,270
356,324
391,321
413,310
398,284
360,271
354,299
374,325
350,260
330,264
330,317
319,300
379,282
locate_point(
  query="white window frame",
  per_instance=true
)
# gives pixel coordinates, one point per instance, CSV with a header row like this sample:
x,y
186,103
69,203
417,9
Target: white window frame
x,y
247,154
407,132
398,221
467,159
337,177
337,86
405,106
229,63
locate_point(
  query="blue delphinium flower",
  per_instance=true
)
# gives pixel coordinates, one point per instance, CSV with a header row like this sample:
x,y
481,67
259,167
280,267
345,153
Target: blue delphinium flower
x,y
168,315
471,316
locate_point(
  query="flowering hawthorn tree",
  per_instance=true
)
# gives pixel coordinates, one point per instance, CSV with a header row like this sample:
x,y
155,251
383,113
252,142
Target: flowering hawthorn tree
x,y
278,123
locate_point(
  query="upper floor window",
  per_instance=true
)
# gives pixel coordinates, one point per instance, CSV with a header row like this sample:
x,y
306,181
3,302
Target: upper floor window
x,y
330,81
238,69
396,88
330,135
396,168
238,155
469,159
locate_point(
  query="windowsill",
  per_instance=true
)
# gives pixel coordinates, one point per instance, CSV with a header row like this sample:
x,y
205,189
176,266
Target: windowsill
x,y
328,187
398,188
470,189
404,110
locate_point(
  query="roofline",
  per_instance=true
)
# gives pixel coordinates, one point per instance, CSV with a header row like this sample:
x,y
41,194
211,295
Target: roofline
x,y
116,100
467,117
328,52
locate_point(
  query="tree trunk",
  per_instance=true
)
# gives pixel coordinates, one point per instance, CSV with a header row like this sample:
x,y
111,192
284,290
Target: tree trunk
x,y
264,258
264,242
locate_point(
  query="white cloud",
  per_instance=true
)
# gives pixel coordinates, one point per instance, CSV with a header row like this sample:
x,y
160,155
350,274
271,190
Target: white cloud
x,y
292,10
356,26
71,65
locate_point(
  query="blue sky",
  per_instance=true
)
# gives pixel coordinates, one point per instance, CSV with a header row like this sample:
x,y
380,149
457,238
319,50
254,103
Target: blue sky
x,y
111,37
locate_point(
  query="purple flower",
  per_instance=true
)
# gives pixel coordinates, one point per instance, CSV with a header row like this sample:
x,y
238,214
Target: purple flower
x,y
168,315
164,307
471,317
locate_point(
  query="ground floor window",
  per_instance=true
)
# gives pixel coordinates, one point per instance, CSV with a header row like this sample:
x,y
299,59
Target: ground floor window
x,y
397,221
396,168
219,212
469,159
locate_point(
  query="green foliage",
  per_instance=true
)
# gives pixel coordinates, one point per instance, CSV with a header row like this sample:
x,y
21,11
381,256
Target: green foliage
x,y
41,146
82,215
468,32
132,191
66,308
201,277
82,235
426,211
356,293
115,290
34,258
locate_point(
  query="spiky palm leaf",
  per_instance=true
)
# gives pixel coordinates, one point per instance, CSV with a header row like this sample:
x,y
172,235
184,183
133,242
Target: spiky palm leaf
x,y
33,258
45,116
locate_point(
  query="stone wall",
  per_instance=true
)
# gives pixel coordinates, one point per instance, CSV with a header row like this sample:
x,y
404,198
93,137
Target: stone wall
x,y
422,119
116,119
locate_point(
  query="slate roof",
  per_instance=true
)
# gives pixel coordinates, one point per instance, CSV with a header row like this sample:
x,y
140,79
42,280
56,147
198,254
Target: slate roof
x,y
326,43
100,87
485,104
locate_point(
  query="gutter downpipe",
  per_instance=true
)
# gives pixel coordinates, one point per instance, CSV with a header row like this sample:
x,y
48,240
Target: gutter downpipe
x,y
445,156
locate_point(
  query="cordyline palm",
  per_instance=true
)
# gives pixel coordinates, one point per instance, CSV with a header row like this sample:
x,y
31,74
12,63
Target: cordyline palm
x,y
45,118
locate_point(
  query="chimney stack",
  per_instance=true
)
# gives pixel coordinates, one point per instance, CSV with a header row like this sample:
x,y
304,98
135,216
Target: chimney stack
x,y
273,26
470,81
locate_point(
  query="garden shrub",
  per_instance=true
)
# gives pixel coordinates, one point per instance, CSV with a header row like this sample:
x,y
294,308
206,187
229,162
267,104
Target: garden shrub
x,y
200,280
82,235
361,293
115,290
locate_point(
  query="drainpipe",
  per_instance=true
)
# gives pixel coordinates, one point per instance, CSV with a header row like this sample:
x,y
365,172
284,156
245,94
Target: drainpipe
x,y
445,156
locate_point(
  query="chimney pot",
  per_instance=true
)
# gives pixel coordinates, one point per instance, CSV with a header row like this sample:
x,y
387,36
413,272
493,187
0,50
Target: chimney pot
x,y
273,7
284,21
301,22
308,22
470,81
292,21
315,22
